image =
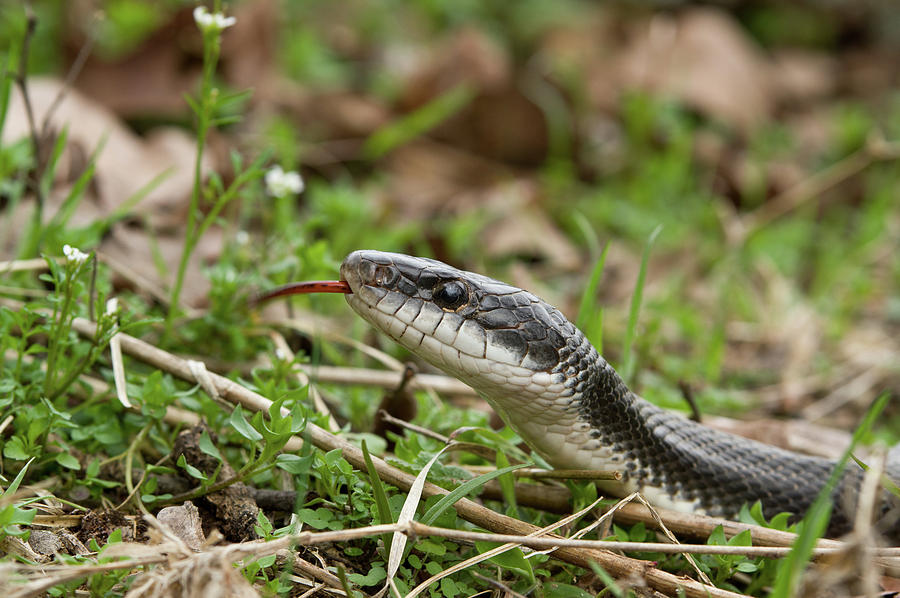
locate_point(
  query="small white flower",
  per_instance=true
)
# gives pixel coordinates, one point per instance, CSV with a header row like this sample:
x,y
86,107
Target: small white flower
x,y
280,354
74,255
112,306
242,237
212,21
280,183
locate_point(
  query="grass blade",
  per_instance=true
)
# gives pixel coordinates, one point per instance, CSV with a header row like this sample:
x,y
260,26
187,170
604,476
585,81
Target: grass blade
x,y
816,519
628,362
381,500
14,486
590,316
463,489
419,122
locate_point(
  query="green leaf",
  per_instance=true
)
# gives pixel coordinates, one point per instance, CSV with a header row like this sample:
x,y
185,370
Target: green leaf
x,y
318,518
11,517
742,539
507,483
263,526
433,547
242,426
589,315
16,515
68,461
448,588
607,580
513,560
781,521
376,575
717,537
152,498
206,445
294,464
564,590
190,469
15,449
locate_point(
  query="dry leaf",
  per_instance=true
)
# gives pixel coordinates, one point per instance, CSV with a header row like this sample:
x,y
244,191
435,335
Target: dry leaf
x,y
704,59
153,78
249,59
519,226
407,512
468,57
184,521
800,78
126,163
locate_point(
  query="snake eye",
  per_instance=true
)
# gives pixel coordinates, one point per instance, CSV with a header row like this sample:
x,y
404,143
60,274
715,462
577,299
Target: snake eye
x,y
450,295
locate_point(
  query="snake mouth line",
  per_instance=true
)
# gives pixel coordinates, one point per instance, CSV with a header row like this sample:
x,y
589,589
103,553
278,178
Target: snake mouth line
x,y
302,288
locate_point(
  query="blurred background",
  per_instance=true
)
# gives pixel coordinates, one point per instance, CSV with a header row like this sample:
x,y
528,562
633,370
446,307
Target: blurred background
x,y
747,150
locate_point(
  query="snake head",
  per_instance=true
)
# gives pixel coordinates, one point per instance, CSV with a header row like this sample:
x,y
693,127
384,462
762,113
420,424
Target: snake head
x,y
484,331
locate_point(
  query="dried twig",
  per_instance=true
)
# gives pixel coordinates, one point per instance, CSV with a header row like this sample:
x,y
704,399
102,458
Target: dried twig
x,y
414,529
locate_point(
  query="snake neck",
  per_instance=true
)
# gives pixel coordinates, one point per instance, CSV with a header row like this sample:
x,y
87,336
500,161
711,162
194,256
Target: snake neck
x,y
681,464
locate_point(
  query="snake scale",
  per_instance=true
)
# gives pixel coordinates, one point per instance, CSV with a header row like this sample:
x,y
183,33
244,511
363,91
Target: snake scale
x,y
549,384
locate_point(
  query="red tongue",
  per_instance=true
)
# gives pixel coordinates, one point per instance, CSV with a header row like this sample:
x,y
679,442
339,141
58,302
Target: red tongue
x,y
299,288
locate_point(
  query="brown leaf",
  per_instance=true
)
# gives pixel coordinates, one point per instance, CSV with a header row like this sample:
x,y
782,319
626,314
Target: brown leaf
x,y
430,178
500,122
126,163
468,57
519,226
153,78
184,521
249,48
801,77
704,59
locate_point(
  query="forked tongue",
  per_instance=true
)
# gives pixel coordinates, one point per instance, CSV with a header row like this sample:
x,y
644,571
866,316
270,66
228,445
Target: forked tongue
x,y
300,288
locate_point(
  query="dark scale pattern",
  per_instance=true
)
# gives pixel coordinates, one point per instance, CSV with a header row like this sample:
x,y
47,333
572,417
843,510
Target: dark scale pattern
x,y
690,462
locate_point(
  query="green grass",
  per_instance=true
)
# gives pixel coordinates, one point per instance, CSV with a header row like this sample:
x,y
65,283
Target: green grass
x,y
663,316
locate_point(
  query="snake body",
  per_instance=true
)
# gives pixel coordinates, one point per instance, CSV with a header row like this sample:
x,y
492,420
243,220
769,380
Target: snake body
x,y
549,384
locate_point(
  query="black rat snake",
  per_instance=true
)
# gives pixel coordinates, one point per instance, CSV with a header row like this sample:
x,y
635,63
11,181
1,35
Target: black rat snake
x,y
558,393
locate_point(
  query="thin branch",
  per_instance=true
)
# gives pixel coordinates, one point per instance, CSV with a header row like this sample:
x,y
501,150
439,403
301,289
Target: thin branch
x,y
414,529
386,379
417,529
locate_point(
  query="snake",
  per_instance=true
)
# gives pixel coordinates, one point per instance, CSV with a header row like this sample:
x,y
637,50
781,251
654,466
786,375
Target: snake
x,y
549,384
